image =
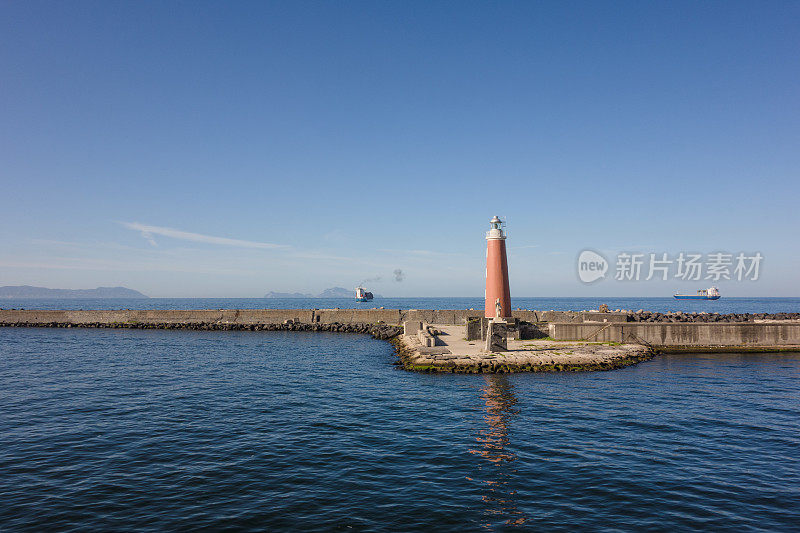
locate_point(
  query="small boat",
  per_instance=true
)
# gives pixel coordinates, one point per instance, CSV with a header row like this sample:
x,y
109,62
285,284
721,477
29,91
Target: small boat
x,y
711,293
363,295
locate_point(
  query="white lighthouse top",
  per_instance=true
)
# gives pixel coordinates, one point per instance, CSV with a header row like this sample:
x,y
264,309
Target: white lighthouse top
x,y
497,229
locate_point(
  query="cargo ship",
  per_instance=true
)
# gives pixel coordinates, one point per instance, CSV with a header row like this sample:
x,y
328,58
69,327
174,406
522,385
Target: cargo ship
x,y
711,293
363,295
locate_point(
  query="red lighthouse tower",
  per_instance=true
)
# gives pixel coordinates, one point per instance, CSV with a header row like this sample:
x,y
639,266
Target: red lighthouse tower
x,y
497,291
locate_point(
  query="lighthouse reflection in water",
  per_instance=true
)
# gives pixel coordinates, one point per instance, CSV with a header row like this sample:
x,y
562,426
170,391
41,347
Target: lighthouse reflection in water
x,y
498,468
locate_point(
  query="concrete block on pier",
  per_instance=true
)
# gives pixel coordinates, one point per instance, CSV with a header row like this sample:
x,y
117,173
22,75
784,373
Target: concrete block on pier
x,y
411,327
496,336
473,328
425,338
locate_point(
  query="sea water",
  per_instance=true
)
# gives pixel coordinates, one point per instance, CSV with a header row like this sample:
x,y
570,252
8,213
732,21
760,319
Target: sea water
x,y
158,430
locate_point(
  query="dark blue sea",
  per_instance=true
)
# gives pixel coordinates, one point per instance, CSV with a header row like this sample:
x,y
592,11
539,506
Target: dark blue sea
x,y
723,305
153,430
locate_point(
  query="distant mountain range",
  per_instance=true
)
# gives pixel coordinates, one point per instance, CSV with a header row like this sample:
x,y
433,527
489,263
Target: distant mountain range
x,y
273,294
336,292
333,292
27,291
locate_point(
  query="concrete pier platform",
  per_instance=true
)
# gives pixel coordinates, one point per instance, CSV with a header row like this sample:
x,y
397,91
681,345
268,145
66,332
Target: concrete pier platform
x,y
452,352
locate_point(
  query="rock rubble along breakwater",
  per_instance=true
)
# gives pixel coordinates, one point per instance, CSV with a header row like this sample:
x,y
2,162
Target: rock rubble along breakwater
x,y
648,316
378,331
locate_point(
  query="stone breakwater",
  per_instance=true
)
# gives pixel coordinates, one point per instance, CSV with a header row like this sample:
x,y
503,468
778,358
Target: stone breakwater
x,y
648,316
378,331
538,340
778,335
362,316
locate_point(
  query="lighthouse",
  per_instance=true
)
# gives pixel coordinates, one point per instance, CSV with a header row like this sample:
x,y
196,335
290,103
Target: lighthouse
x,y
498,295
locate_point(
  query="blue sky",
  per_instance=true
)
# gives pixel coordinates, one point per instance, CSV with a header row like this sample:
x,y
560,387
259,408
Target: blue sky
x,y
232,148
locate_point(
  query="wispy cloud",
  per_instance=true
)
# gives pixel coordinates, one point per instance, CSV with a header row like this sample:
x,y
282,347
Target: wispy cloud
x,y
148,232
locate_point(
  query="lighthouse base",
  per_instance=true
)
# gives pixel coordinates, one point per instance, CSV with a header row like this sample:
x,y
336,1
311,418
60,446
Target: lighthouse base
x,y
496,336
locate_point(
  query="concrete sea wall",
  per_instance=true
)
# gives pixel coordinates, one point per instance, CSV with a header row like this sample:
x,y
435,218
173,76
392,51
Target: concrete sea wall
x,y
677,334
279,316
734,331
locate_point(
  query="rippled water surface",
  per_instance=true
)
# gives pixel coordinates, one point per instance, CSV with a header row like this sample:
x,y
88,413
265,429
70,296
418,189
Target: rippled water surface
x,y
154,430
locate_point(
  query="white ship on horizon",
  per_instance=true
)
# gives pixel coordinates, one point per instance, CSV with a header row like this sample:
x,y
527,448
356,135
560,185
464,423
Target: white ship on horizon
x,y
363,295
